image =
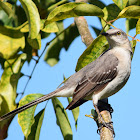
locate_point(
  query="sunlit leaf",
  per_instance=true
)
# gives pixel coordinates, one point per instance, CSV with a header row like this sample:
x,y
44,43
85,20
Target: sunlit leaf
x,y
110,12
75,112
73,10
121,3
138,27
35,43
130,12
32,16
49,28
62,119
7,7
26,118
11,41
8,86
35,130
98,46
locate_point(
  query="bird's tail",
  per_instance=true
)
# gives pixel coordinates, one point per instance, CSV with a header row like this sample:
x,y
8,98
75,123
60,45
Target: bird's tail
x,y
24,107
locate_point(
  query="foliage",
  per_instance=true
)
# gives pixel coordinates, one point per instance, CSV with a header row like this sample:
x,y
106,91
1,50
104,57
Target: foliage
x,y
21,29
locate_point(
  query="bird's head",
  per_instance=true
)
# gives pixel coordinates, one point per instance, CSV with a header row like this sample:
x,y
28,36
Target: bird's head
x,y
116,37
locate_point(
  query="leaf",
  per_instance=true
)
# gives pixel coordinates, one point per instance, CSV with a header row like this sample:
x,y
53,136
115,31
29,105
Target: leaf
x,y
73,10
130,12
63,40
7,7
36,127
121,3
49,28
97,3
26,118
133,2
98,46
35,43
110,12
133,45
138,27
32,16
75,113
8,86
11,41
96,30
130,24
62,119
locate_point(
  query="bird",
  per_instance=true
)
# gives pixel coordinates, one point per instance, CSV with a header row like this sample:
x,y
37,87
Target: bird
x,y
96,81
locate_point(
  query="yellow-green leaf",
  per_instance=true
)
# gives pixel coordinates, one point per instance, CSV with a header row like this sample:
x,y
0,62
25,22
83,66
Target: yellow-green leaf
x,y
52,27
133,45
11,41
8,84
49,28
98,46
35,43
7,7
110,12
26,118
32,16
75,112
73,10
130,12
138,27
35,130
62,119
121,3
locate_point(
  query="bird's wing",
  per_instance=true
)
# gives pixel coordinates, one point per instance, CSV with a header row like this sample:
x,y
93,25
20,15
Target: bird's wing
x,y
95,79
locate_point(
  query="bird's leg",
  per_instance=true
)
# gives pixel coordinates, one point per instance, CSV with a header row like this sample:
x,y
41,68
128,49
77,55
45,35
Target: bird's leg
x,y
102,122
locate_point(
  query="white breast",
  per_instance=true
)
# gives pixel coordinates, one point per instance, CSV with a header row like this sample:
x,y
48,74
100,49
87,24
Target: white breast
x,y
124,69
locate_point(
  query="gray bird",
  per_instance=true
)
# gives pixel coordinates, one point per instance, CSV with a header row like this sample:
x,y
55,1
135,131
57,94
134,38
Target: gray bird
x,y
98,80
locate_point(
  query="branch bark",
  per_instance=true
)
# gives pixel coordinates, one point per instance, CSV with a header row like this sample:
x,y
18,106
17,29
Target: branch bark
x,y
105,133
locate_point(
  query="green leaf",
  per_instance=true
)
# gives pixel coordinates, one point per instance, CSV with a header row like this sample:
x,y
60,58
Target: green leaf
x,y
7,7
49,28
110,12
133,2
75,113
8,85
121,3
26,118
63,40
133,45
97,3
32,16
130,12
36,127
73,10
62,119
11,41
138,27
35,43
98,46
96,30
130,24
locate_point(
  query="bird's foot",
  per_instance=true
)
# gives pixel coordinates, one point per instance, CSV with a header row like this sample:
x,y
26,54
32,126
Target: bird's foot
x,y
107,125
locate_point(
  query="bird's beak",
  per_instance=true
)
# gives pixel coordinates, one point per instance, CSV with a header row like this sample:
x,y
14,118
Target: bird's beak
x,y
105,34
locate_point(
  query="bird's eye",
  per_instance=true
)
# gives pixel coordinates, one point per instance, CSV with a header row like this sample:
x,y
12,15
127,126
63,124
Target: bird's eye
x,y
118,33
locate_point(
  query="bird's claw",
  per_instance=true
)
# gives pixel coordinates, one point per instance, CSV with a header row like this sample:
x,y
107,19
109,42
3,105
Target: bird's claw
x,y
107,125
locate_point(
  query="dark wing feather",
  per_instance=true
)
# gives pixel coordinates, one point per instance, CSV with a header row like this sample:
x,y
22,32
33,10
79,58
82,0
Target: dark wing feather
x,y
95,79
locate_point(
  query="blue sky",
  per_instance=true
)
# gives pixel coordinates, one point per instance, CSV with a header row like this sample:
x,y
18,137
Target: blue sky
x,y
46,79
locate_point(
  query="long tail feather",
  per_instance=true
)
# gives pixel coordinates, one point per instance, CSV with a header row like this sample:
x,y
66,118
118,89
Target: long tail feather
x,y
24,107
